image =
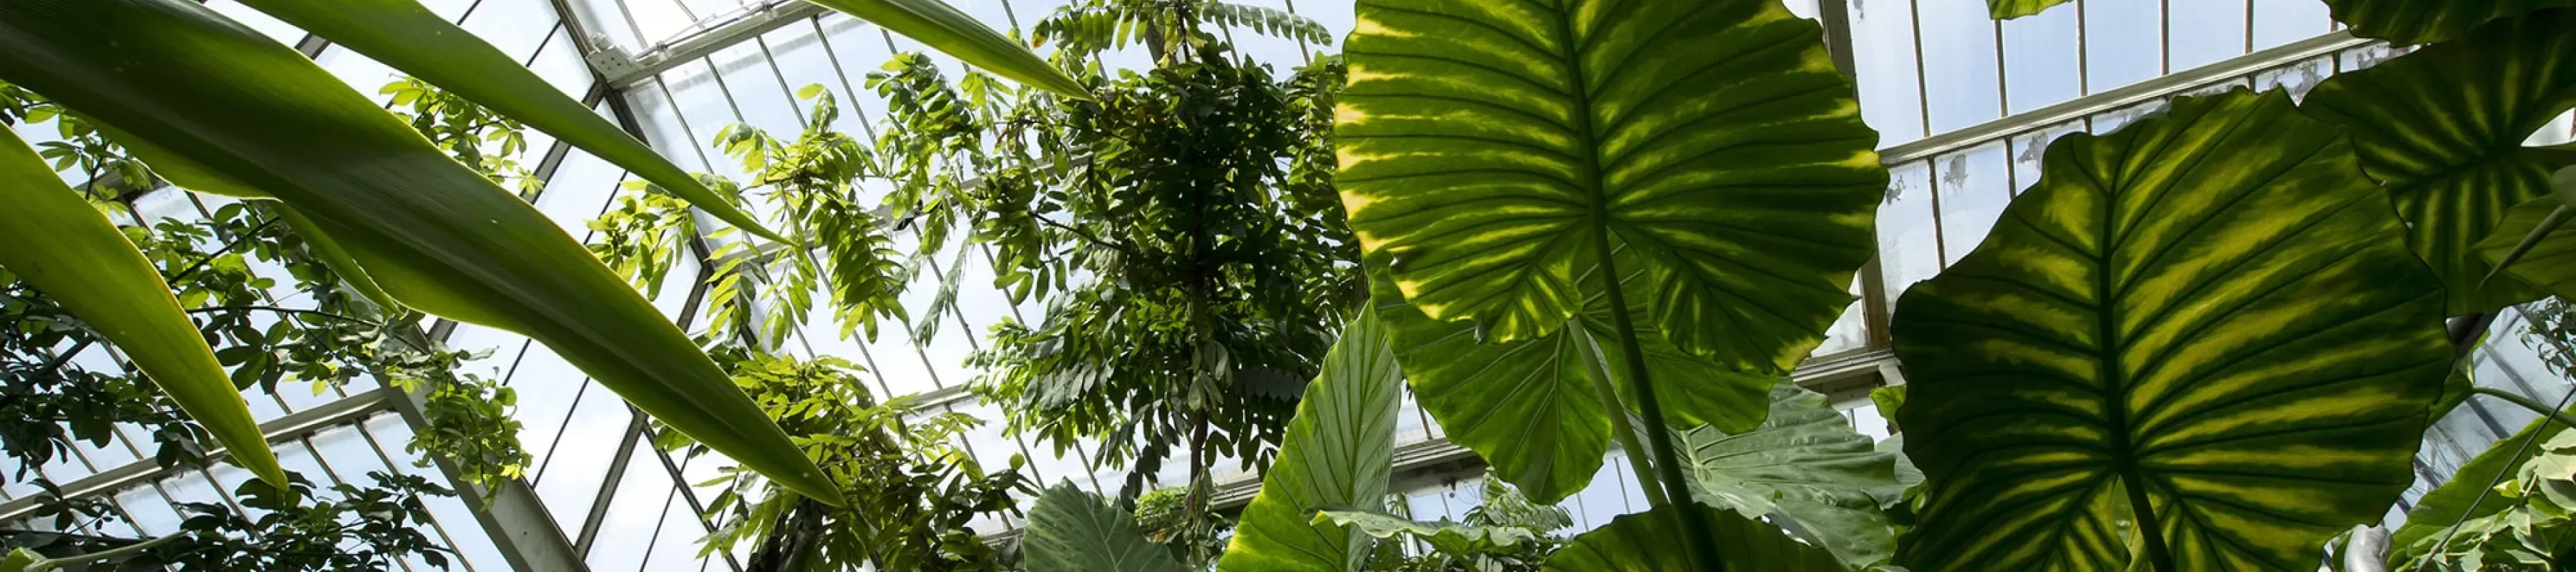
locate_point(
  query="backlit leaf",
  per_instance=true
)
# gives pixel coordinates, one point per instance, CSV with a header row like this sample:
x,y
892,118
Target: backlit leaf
x,y
2422,21
1338,452
954,33
2212,313
2443,128
1497,151
1806,465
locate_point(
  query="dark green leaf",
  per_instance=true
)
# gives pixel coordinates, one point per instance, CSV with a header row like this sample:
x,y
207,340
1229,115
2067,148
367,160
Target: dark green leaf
x,y
1806,465
1074,531
954,33
407,36
1338,451
2550,265
2442,129
2424,21
63,247
1497,151
2211,311
1652,541
220,95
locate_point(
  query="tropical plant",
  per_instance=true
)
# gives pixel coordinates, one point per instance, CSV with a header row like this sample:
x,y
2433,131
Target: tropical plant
x,y
1506,533
376,528
220,108
913,489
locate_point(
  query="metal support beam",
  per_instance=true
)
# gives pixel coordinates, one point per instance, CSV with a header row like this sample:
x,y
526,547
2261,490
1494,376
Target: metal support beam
x,y
347,411
2082,107
624,70
509,510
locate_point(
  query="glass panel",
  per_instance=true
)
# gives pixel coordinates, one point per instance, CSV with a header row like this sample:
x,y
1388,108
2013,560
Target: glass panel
x,y
516,28
634,515
2124,42
2206,31
569,474
1908,248
2043,60
1883,48
1974,190
1960,73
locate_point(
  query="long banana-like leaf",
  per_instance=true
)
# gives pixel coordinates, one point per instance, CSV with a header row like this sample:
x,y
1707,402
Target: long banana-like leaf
x,y
189,175
409,37
58,243
1074,531
2425,21
1806,465
1497,151
1652,541
2202,332
2443,128
1338,452
450,242
943,28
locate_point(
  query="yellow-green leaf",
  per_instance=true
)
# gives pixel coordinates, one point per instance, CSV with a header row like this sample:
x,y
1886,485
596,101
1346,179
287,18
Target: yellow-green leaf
x,y
1497,150
194,177
408,37
943,28
450,242
2206,324
60,244
2009,9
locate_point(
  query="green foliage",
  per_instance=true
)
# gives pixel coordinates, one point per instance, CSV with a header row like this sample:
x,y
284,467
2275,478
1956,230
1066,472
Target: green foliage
x,y
1644,542
2147,336
1178,226
290,529
2423,21
1338,452
952,32
94,272
2008,9
227,99
406,35
1506,533
2528,529
2442,129
913,488
469,417
1195,538
1074,531
482,139
1804,468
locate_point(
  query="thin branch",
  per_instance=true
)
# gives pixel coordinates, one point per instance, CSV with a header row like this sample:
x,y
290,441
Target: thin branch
x,y
210,256
2561,416
301,311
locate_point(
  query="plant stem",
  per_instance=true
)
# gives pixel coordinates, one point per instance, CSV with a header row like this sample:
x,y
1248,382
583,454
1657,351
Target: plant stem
x,y
2149,528
1620,427
2562,417
1668,465
54,563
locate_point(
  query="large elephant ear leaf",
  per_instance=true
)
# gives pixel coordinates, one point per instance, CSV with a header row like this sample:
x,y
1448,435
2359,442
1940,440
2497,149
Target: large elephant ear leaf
x,y
1496,150
2443,128
1650,541
1074,531
1338,452
1533,408
407,36
58,243
204,88
2406,22
2205,324
1804,464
